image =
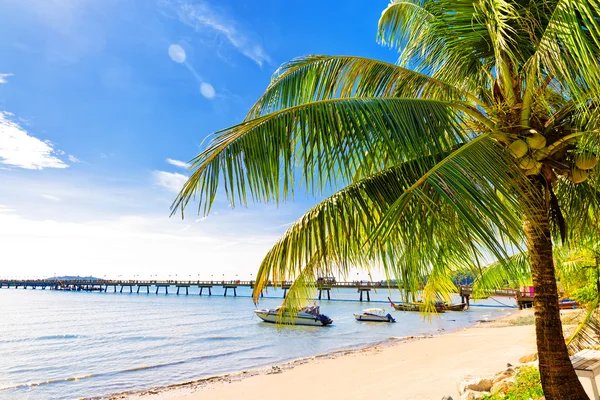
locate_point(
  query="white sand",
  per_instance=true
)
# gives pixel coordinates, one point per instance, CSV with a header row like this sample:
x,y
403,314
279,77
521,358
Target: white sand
x,y
420,369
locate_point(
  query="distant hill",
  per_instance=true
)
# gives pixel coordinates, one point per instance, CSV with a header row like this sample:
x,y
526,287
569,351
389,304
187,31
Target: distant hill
x,y
73,278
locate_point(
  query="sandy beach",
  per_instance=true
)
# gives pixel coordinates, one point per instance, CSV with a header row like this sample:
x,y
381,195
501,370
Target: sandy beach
x,y
422,368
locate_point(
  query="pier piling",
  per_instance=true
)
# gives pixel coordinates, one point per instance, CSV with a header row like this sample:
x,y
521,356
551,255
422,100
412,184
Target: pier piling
x,y
323,289
364,290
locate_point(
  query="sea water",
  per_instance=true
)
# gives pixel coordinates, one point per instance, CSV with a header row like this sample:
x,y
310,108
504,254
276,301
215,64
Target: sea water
x,y
66,345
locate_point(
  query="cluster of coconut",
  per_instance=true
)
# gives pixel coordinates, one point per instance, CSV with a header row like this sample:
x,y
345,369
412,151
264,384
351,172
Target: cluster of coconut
x,y
530,152
584,163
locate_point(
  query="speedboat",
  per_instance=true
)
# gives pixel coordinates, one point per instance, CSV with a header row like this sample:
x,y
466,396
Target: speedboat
x,y
374,315
310,316
566,304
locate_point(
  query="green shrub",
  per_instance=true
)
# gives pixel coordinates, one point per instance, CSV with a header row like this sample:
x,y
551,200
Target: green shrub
x,y
527,386
585,294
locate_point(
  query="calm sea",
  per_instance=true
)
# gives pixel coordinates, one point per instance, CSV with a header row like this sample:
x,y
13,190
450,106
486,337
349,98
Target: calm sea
x,y
66,345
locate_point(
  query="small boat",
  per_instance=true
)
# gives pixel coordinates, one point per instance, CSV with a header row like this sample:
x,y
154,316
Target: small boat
x,y
414,306
566,304
374,315
310,316
454,307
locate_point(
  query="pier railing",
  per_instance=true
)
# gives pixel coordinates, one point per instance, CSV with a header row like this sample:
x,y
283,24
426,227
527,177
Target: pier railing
x,y
324,287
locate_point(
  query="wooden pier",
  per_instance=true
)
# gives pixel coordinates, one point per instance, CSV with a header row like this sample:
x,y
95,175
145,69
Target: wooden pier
x,y
143,286
524,300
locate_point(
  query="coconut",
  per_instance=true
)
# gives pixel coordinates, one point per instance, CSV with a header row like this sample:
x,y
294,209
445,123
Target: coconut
x,y
578,175
536,141
501,137
537,168
541,153
586,161
527,163
518,148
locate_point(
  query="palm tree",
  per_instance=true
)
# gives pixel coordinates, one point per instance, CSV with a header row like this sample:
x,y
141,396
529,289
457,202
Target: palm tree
x,y
467,148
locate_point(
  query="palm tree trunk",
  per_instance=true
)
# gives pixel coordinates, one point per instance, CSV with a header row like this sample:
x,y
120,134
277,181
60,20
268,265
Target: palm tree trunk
x,y
559,380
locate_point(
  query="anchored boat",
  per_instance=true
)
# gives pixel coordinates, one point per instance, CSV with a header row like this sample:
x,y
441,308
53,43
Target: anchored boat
x,y
439,307
416,307
454,307
310,316
374,315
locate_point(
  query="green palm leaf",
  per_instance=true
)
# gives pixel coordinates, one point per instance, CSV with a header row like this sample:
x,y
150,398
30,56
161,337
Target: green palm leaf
x,y
322,144
321,77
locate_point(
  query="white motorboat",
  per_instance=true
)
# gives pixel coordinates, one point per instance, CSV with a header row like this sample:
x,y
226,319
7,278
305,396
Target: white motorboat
x,y
374,315
310,315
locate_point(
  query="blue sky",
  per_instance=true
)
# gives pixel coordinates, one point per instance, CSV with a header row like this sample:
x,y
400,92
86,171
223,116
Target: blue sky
x,y
103,101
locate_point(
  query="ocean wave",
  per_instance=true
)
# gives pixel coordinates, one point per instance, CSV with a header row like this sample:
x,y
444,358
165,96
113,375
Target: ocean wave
x,y
129,370
47,337
143,338
220,338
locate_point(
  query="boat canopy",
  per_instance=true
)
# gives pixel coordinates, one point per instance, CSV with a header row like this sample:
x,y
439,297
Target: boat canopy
x,y
375,311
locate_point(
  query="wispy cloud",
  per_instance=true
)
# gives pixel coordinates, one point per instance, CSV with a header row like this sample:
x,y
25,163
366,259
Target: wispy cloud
x,y
3,77
50,197
201,16
177,163
74,159
19,149
169,180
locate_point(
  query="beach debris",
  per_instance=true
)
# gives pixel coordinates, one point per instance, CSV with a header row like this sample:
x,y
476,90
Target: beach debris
x,y
474,383
447,398
274,370
508,365
529,358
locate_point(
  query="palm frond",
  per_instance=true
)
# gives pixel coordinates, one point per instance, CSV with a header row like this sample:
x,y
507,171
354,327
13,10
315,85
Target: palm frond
x,y
321,144
440,39
587,333
569,47
322,77
511,272
338,233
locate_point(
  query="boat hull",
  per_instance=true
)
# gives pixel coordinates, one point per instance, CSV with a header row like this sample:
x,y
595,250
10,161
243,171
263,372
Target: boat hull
x,y
299,319
454,307
566,305
372,318
414,307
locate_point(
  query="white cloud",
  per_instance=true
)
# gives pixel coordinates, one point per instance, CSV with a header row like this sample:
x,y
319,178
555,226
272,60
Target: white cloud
x,y
3,77
5,209
127,246
177,163
21,150
207,90
201,16
169,180
50,197
177,53
74,159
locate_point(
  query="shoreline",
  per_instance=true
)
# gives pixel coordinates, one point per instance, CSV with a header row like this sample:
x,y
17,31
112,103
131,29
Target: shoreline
x,y
200,387
270,369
